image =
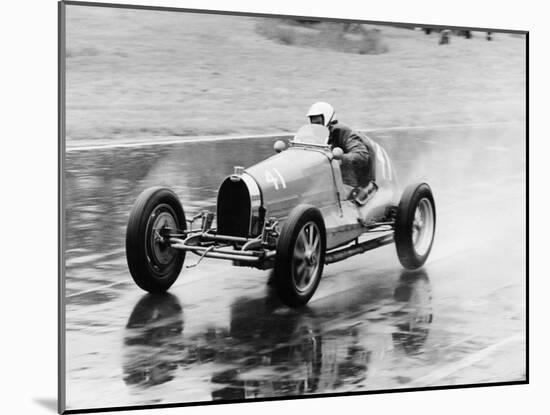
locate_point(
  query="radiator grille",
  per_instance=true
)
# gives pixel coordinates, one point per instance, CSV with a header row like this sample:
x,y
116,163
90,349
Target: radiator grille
x,y
234,208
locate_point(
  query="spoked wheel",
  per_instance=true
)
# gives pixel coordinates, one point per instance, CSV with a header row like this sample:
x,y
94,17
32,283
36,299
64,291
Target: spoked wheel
x,y
153,263
423,226
307,252
415,225
300,255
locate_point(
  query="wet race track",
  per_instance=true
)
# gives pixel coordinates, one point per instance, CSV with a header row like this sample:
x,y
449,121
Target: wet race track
x,y
221,333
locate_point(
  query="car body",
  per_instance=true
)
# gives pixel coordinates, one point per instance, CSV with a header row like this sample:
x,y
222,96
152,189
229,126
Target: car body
x,y
291,212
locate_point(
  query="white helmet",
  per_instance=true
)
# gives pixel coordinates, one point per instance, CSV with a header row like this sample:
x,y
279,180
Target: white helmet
x,y
324,109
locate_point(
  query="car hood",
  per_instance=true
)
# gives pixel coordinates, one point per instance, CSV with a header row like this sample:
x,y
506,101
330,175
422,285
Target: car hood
x,y
297,175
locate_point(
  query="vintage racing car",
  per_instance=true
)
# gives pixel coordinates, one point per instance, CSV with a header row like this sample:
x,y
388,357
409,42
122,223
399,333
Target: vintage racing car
x,y
291,212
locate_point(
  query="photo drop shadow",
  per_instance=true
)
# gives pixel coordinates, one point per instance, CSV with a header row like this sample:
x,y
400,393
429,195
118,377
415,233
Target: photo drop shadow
x,y
48,403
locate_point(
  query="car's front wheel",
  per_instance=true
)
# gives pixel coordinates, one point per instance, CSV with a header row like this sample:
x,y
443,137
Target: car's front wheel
x,y
153,263
300,255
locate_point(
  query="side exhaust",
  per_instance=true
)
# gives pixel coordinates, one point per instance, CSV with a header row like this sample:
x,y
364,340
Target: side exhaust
x,y
355,249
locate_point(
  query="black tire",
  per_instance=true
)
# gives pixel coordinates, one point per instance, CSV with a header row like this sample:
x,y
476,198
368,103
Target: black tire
x,y
154,265
303,221
413,248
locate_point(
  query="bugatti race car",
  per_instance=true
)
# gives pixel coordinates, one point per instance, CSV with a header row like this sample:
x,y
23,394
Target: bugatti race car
x,y
292,213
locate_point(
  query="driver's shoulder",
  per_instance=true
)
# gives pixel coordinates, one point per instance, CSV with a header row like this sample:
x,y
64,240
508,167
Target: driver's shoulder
x,y
341,128
340,132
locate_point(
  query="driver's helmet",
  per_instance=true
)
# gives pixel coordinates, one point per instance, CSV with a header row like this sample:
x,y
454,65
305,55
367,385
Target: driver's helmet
x,y
321,113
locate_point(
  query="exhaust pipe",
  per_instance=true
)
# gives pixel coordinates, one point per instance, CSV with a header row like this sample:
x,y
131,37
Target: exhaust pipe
x,y
343,253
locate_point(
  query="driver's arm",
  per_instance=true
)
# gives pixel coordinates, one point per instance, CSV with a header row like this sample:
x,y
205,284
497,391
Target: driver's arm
x,y
355,160
355,151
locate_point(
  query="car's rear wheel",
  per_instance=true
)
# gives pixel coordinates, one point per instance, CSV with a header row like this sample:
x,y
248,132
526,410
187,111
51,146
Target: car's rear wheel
x,y
153,263
300,256
415,225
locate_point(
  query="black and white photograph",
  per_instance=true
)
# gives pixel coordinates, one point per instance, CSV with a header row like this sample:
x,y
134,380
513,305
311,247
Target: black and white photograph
x,y
260,207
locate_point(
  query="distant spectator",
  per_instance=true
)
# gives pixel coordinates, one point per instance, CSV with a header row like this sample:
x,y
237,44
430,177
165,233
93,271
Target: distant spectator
x,y
445,37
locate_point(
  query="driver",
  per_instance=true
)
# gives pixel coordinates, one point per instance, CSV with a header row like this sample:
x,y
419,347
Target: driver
x,y
356,159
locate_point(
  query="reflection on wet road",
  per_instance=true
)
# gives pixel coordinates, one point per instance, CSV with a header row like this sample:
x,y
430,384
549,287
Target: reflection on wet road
x,y
269,351
221,333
